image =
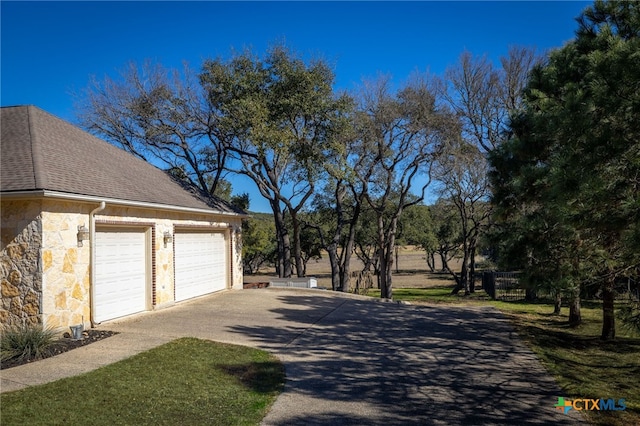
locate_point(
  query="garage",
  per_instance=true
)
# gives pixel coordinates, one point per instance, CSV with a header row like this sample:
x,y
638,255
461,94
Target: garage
x,y
200,263
121,273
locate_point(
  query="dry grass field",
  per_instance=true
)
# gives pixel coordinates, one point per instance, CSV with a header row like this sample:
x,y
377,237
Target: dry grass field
x,y
411,271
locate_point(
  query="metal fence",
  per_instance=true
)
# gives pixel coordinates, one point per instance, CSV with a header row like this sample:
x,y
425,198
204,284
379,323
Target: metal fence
x,y
503,285
507,286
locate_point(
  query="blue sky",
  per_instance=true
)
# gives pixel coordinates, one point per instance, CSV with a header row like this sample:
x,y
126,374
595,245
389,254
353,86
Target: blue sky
x,y
50,49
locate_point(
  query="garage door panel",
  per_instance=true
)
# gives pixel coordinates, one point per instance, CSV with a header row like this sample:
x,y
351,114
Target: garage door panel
x,y
200,264
121,274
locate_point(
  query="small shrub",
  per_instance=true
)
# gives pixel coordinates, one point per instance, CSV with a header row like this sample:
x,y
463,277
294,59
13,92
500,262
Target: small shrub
x,y
27,341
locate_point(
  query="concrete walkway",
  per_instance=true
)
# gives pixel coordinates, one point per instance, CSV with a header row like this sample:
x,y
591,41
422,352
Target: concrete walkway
x,y
349,360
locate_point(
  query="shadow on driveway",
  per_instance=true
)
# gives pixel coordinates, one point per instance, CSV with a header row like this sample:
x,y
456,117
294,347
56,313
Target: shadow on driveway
x,y
365,363
349,360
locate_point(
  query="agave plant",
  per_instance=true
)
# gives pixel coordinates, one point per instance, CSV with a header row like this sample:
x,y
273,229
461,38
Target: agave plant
x,y
27,341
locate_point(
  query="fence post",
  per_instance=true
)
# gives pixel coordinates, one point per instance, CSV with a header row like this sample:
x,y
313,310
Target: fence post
x,y
489,283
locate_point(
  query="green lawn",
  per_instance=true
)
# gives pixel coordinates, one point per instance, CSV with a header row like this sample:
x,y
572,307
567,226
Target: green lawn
x,y
187,381
583,365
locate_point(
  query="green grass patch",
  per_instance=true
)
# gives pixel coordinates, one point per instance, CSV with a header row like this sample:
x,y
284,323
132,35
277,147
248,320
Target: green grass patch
x,y
583,365
187,381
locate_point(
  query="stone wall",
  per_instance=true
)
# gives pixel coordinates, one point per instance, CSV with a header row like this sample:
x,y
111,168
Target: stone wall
x,y
45,275
65,266
20,263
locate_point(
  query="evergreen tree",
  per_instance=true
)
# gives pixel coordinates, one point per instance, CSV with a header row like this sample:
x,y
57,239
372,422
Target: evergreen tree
x,y
568,179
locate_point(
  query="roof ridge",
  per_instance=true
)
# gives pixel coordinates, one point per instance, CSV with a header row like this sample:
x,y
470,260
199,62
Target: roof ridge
x,y
37,158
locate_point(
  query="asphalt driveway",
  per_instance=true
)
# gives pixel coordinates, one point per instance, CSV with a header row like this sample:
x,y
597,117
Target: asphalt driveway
x,y
349,360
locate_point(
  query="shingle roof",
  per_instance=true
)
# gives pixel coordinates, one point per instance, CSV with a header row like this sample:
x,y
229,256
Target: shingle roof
x,y
42,152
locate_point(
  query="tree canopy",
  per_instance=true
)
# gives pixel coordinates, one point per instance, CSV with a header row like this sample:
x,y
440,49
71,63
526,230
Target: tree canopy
x,y
574,162
347,173
280,115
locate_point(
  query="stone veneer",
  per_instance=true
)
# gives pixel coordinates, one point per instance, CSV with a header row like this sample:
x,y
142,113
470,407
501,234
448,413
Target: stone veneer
x,y
20,265
46,276
65,266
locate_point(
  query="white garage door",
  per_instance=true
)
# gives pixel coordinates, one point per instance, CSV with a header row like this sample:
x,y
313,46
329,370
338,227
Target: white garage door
x,y
200,262
121,274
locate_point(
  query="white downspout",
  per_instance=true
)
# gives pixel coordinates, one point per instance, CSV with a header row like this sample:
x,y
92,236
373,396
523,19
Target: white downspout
x,y
92,259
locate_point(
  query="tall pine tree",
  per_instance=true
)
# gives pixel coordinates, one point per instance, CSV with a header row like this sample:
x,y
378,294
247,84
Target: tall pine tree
x,y
576,152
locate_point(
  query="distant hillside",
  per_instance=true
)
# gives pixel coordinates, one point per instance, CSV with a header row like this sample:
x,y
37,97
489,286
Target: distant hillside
x,y
261,216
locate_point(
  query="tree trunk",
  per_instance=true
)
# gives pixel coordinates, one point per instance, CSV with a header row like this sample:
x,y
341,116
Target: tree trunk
x,y
575,316
472,270
386,268
464,275
286,255
462,282
431,261
345,273
382,275
279,263
388,251
332,251
459,285
375,262
557,306
608,315
385,258
297,249
443,260
530,294
345,269
345,277
283,267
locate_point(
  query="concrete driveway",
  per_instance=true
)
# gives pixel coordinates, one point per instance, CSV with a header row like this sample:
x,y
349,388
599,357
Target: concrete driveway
x,y
349,360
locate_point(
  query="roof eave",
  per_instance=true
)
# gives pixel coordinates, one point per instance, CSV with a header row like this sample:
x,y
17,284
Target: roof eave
x,y
39,193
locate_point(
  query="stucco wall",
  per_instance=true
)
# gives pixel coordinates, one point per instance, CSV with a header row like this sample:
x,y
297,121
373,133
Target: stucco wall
x,y
20,262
